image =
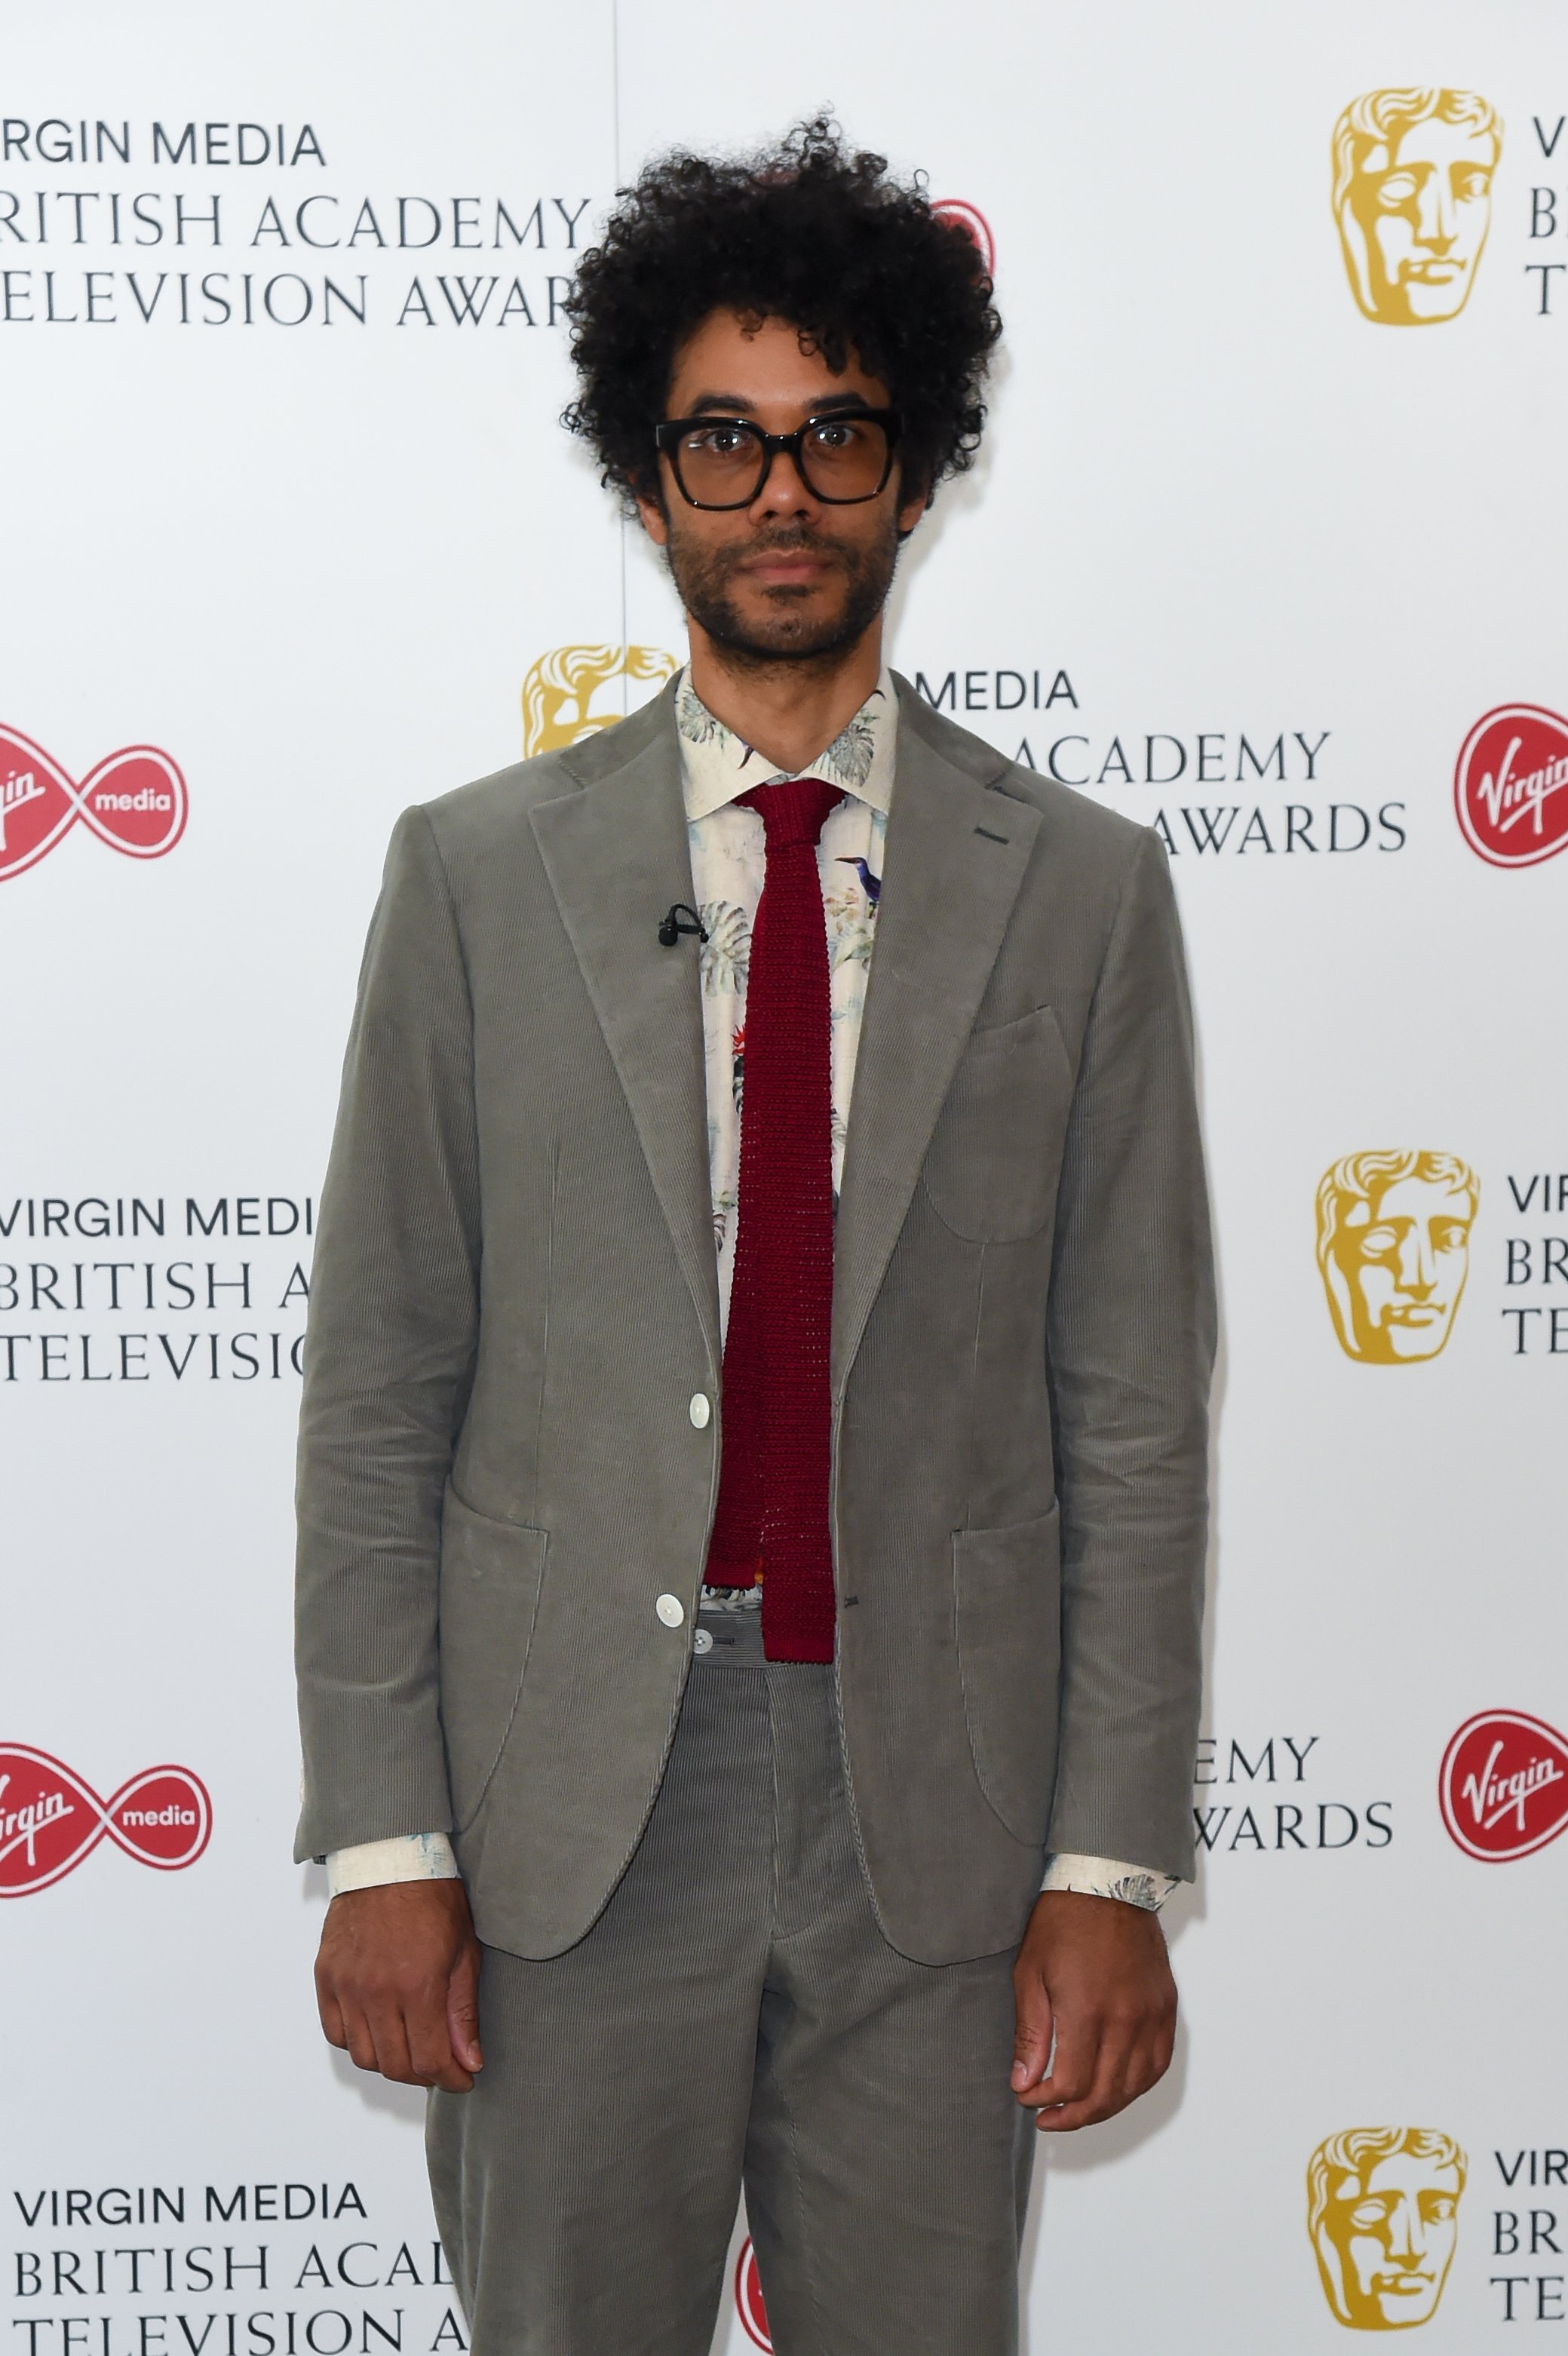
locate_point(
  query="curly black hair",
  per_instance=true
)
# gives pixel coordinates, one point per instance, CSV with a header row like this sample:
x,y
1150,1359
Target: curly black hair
x,y
802,231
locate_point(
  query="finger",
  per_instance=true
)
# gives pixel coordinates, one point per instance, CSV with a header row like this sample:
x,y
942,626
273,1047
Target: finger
x,y
390,2032
1073,2071
357,2035
1034,2025
331,2016
431,2057
1153,2057
1098,2098
463,2009
1119,2061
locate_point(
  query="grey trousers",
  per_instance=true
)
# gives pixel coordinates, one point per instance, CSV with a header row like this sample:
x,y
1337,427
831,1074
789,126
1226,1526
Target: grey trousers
x,y
735,2016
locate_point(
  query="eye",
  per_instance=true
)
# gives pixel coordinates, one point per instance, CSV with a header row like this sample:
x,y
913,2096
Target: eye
x,y
1367,2215
837,434
1449,1235
1377,1241
1438,2207
1398,189
718,441
1474,183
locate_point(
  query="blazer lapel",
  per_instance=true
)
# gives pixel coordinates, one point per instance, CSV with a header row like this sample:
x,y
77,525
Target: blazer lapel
x,y
615,854
955,857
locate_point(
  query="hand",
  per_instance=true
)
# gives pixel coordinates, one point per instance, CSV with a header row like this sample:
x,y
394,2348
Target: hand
x,y
1096,1970
397,1982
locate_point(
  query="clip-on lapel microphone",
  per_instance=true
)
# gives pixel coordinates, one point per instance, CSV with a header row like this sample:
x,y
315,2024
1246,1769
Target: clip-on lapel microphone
x,y
670,926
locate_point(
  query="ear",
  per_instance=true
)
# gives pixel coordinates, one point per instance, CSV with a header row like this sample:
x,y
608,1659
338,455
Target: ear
x,y
914,497
650,511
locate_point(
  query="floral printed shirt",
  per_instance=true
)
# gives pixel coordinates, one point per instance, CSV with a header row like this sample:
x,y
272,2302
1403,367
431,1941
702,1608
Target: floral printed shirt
x,y
729,864
729,849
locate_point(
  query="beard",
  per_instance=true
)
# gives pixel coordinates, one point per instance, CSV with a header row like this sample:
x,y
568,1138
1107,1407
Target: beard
x,y
704,581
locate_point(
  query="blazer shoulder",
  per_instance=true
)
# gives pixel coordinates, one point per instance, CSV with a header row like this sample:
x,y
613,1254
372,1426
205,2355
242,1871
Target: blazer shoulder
x,y
472,818
1075,824
478,819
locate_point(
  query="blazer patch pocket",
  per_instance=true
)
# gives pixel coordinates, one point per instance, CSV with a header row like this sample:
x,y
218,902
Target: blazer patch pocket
x,y
1007,1612
492,1574
991,1172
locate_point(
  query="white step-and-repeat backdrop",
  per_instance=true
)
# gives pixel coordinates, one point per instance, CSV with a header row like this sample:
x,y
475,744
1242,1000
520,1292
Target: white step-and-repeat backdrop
x,y
1265,551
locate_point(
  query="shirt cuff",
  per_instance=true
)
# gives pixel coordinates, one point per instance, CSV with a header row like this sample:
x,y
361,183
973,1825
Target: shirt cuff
x,y
411,1856
1107,1876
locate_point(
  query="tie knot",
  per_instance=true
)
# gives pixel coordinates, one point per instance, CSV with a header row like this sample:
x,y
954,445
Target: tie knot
x,y
792,810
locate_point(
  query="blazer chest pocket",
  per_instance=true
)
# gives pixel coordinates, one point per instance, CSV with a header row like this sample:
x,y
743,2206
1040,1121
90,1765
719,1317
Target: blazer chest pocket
x,y
492,1574
1007,1613
991,1172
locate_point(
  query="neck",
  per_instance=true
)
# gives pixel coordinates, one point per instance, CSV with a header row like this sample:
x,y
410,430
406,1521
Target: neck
x,y
790,710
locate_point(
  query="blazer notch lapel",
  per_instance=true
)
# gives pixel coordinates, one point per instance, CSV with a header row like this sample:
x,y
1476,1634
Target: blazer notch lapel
x,y
955,857
615,850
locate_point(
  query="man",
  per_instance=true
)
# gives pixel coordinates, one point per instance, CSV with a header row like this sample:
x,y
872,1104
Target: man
x,y
1383,2208
753,1462
1393,1246
1412,195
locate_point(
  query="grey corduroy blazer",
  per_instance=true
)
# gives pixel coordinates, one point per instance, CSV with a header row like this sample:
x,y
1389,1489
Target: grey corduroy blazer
x,y
514,1304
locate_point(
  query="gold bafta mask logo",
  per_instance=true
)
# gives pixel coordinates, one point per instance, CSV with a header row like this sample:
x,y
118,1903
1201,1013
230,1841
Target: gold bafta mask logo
x,y
574,691
1412,195
1393,1249
1382,2209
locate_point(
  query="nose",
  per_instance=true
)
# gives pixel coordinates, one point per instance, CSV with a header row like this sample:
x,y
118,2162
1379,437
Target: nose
x,y
784,490
1417,1262
1435,212
1407,2243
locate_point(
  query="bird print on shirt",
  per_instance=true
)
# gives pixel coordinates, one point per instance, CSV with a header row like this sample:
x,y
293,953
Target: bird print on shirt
x,y
870,885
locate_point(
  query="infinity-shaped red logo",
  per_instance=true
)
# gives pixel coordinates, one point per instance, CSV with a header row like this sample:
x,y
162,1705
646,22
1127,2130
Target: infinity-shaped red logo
x,y
135,801
49,1819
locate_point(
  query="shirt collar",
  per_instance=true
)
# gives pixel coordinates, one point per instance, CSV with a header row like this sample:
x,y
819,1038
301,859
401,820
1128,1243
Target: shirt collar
x,y
716,765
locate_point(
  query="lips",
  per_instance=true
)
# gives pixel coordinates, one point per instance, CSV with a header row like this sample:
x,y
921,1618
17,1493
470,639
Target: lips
x,y
789,563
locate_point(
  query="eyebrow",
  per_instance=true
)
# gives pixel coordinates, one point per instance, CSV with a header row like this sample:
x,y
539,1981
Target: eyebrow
x,y
737,404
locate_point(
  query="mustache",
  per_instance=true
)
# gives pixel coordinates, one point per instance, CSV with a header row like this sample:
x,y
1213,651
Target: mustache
x,y
792,539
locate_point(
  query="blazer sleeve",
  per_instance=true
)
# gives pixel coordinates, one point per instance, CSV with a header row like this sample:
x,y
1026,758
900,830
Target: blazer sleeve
x,y
388,1359
1131,1337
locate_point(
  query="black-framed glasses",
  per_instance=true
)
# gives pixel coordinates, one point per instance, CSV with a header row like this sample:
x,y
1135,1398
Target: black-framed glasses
x,y
842,457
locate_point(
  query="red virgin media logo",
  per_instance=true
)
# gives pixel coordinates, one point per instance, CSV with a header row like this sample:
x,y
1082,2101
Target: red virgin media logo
x,y
1510,788
749,2297
49,1819
973,223
1503,1786
135,801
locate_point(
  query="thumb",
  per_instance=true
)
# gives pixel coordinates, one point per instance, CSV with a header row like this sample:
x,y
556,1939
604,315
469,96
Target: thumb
x,y
462,2009
1032,2032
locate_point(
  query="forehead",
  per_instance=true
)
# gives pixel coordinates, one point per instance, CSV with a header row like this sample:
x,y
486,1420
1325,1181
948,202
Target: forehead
x,y
1431,142
1401,2171
1423,1198
761,362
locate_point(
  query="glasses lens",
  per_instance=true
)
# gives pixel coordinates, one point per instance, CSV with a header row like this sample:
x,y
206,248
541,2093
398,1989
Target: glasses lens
x,y
845,458
719,465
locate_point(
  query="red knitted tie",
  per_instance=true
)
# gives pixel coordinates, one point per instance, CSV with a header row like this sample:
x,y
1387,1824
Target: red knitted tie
x,y
772,1515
